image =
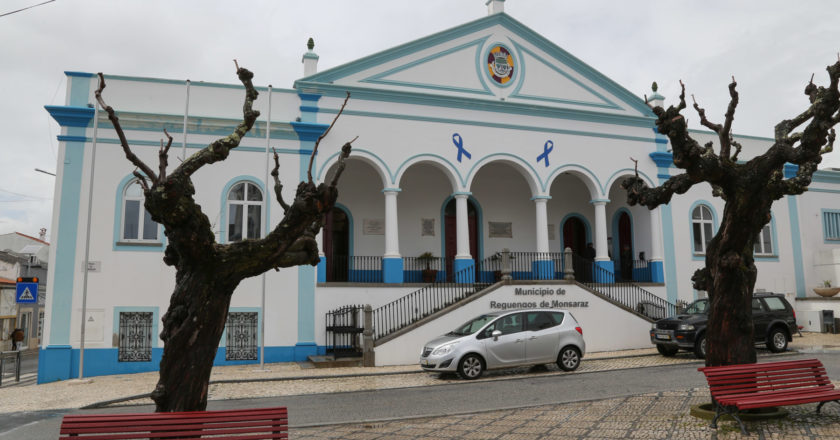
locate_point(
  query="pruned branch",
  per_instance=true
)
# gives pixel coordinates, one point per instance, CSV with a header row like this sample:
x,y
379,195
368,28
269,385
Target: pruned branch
x,y
278,187
725,134
115,121
342,158
323,135
638,193
163,154
703,121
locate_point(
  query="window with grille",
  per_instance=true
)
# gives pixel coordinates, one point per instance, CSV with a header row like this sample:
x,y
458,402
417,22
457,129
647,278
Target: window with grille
x,y
135,337
831,225
241,341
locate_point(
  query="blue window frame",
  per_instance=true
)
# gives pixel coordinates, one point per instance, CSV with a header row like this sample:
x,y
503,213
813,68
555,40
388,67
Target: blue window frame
x,y
831,225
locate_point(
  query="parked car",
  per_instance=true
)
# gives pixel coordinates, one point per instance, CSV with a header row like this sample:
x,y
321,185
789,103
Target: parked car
x,y
507,339
774,323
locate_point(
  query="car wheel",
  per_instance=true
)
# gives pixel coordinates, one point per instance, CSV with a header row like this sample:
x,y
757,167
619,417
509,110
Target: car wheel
x,y
666,351
568,359
470,367
777,341
700,347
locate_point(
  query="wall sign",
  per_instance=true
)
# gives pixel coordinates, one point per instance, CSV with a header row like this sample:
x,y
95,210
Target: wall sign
x,y
500,229
427,227
500,65
373,226
551,234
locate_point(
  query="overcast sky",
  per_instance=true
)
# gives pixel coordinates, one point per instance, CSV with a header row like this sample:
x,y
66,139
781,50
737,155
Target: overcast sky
x,y
770,46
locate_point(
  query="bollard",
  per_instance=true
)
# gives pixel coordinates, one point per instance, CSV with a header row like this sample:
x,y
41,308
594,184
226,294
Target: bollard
x,y
368,355
17,366
568,268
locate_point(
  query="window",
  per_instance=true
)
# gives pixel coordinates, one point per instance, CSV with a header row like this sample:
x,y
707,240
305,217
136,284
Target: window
x,y
241,341
135,337
137,223
831,225
508,324
701,227
763,242
537,321
774,303
244,211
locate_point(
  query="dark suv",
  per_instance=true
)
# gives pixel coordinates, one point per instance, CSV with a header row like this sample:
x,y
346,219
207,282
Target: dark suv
x,y
773,317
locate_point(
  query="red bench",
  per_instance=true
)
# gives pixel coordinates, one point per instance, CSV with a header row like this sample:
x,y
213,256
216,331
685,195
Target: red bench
x,y
736,388
252,424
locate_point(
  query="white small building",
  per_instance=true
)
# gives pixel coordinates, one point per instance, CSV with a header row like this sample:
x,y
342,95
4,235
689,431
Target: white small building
x,y
473,140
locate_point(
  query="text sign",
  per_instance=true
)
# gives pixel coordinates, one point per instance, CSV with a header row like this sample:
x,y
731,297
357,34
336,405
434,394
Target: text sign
x,y
26,293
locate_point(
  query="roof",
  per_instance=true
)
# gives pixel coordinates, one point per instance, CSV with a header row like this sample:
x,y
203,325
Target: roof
x,y
7,281
32,238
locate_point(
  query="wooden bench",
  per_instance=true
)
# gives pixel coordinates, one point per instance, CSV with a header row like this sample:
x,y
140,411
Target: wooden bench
x,y
736,388
252,424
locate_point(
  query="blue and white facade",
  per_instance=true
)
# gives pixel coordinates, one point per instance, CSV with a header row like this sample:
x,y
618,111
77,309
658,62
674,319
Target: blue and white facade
x,y
473,140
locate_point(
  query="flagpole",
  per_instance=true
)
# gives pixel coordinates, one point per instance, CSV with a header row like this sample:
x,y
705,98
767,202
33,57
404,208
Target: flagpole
x,y
265,227
87,241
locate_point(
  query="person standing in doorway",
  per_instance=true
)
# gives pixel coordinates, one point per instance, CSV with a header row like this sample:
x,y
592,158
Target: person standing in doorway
x,y
589,255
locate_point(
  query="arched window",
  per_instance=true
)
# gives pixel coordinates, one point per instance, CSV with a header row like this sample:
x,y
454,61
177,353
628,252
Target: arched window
x,y
244,211
764,242
137,224
701,228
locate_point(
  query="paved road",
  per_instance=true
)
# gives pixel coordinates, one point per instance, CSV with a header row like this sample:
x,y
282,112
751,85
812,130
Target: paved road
x,y
453,397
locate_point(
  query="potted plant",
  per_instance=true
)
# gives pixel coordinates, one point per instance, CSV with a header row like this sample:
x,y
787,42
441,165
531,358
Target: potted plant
x,y
429,274
826,290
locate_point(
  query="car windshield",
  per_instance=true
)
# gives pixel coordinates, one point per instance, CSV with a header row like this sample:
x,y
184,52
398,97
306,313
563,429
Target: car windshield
x,y
698,306
472,326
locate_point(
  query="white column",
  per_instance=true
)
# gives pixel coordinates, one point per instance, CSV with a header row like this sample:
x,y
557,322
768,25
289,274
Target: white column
x,y
462,226
392,240
601,253
319,240
655,235
540,202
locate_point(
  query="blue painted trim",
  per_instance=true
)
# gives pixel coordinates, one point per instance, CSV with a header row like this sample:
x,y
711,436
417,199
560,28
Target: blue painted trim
x,y
79,74
627,171
543,269
774,242
662,160
826,176
118,243
829,229
62,138
463,270
540,198
594,181
737,136
515,77
657,271
396,190
79,92
70,116
790,170
309,131
225,208
156,122
605,103
156,144
322,270
309,97
194,83
64,245
600,276
380,77
796,244
54,363
671,286
694,255
392,270
306,304
533,180
586,227
223,340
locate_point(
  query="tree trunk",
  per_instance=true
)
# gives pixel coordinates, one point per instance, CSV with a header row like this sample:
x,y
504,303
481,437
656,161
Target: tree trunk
x,y
192,328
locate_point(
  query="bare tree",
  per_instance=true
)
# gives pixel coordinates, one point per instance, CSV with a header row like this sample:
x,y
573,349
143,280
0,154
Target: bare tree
x,y
749,190
207,272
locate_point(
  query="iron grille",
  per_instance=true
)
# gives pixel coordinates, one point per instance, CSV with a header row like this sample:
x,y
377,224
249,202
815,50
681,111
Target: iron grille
x,y
241,336
135,337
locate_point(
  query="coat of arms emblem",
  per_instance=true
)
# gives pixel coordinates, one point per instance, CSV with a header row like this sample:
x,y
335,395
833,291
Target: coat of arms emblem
x,y
500,64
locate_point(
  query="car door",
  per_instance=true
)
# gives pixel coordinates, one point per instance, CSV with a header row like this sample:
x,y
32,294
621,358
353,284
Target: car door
x,y
761,319
541,338
507,349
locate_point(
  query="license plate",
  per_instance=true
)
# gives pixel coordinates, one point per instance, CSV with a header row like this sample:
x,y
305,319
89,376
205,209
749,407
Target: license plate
x,y
424,362
665,337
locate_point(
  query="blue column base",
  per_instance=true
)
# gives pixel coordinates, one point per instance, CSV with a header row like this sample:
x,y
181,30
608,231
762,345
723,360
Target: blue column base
x,y
305,349
322,270
606,274
464,270
55,363
392,270
657,272
543,269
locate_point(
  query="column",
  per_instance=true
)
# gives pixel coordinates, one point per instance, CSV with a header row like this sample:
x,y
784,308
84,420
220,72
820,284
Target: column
x,y
602,258
322,259
392,263
657,270
542,267
463,260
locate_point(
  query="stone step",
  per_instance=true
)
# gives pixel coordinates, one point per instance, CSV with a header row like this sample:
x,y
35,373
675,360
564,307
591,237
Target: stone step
x,y
328,361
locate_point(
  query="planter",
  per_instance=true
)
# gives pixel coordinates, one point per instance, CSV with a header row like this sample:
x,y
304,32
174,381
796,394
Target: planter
x,y
429,275
826,291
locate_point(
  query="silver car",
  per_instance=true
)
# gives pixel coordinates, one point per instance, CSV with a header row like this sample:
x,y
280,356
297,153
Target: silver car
x,y
506,339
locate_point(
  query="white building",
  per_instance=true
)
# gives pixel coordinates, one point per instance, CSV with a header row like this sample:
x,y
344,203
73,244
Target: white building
x,y
473,140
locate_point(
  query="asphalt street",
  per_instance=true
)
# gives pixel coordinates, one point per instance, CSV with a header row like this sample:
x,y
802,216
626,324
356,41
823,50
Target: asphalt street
x,y
451,397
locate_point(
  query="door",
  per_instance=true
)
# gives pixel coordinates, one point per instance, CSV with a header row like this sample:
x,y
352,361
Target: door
x,y
337,244
761,319
509,348
574,235
541,338
625,247
450,240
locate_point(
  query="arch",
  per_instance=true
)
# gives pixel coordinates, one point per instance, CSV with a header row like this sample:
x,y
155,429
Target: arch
x,y
224,199
445,166
714,223
596,191
627,172
119,243
517,163
586,226
358,154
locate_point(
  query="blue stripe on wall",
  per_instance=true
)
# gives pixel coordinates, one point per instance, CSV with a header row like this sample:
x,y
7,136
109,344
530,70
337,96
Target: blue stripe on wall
x,y
796,244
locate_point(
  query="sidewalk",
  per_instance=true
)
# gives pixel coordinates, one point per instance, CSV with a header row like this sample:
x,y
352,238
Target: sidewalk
x,y
662,415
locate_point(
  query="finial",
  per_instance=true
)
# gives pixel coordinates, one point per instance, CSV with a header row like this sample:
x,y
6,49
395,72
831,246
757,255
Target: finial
x,y
654,87
310,44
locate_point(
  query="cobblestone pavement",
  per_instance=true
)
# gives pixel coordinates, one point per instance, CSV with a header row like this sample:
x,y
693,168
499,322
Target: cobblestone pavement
x,y
648,416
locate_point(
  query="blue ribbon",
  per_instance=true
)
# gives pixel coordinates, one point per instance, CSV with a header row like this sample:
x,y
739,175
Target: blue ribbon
x,y
547,148
456,138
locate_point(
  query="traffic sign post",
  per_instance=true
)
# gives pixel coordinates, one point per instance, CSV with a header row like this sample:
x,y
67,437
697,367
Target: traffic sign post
x,y
26,291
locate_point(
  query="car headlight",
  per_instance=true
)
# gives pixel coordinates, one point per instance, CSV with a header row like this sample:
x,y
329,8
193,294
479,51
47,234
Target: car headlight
x,y
442,350
685,327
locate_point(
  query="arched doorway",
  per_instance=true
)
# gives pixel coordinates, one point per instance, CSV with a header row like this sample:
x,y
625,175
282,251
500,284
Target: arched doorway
x,y
625,247
574,235
450,242
337,244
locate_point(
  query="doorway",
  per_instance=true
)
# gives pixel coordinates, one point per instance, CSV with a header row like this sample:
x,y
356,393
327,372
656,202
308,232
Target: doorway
x,y
450,241
337,244
625,247
574,235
